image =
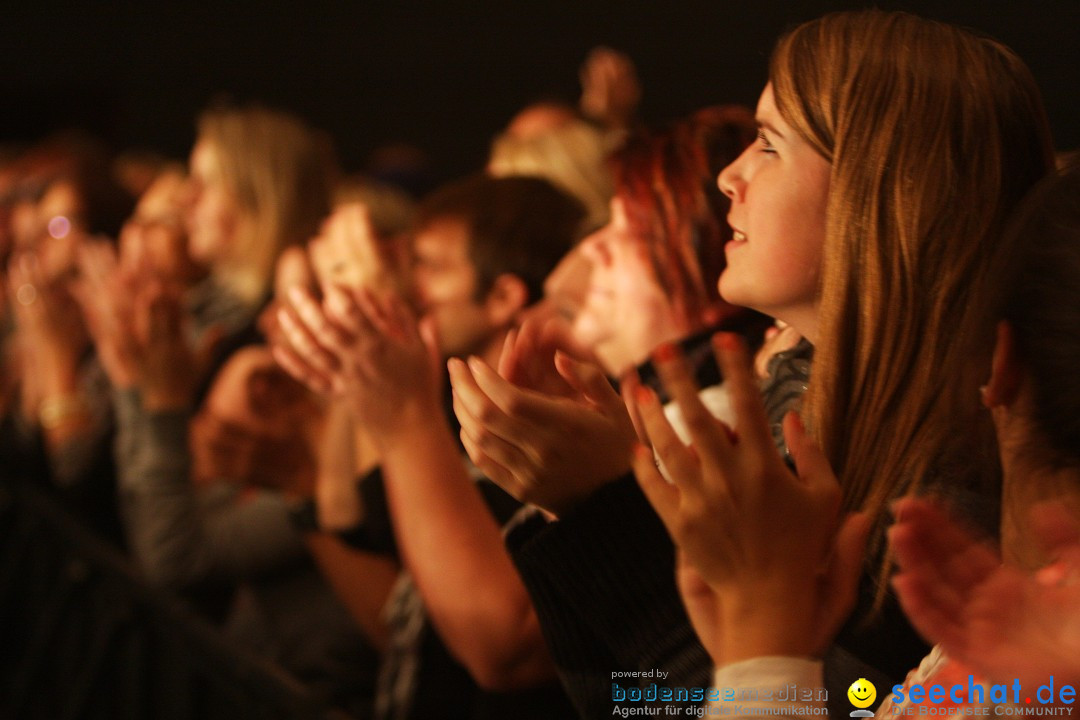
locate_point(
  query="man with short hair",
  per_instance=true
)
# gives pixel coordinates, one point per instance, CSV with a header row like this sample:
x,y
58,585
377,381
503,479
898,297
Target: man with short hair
x,y
481,250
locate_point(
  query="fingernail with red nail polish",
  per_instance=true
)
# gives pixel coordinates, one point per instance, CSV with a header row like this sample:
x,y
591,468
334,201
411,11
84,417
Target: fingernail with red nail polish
x,y
643,395
665,353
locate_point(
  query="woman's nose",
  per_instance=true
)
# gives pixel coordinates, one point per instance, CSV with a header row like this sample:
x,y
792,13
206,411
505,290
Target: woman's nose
x,y
731,180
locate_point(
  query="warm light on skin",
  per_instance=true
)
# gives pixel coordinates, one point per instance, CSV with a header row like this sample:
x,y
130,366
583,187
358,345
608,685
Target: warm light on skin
x,y
445,281
625,314
213,215
779,189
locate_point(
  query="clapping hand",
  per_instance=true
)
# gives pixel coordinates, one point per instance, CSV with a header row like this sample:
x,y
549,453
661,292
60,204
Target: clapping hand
x,y
768,565
994,618
552,449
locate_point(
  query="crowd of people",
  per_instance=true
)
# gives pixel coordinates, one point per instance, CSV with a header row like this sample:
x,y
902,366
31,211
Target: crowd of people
x,y
758,399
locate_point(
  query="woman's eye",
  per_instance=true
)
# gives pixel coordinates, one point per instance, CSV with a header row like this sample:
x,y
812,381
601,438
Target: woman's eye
x,y
766,146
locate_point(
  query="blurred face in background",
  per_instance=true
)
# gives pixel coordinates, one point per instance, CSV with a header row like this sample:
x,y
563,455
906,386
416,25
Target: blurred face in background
x,y
213,214
58,225
625,313
445,281
154,236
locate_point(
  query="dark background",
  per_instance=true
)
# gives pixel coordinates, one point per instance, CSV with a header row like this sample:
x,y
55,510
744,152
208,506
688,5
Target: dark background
x,y
442,75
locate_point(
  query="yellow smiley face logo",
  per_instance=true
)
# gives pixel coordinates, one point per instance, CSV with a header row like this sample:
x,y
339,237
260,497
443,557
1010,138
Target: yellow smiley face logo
x,y
862,693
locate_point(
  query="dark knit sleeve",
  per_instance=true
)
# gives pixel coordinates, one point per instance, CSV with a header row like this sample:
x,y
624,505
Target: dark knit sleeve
x,y
603,582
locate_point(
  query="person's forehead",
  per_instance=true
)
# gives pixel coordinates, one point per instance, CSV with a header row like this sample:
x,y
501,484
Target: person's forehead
x,y
445,236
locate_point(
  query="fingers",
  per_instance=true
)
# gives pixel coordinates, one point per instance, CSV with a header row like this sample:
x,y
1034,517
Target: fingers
x,y
927,541
511,400
377,313
679,460
315,322
506,365
705,431
429,334
589,380
926,575
482,424
662,495
751,424
319,364
493,470
491,453
481,413
812,466
933,621
292,363
27,290
342,309
628,387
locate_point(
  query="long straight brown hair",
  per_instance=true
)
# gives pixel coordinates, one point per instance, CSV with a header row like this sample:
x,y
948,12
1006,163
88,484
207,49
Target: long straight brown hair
x,y
934,135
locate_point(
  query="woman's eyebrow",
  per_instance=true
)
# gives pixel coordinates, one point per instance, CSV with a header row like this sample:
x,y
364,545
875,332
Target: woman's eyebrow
x,y
769,128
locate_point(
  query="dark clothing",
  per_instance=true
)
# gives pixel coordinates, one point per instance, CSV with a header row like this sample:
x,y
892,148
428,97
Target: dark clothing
x,y
223,538
602,579
419,679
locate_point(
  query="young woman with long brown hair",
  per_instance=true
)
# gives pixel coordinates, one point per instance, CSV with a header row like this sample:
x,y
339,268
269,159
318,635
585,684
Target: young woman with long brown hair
x,y
868,215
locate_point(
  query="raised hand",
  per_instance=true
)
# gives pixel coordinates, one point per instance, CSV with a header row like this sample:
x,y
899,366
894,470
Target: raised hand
x,y
528,355
547,450
50,333
994,618
106,293
610,91
768,564
367,350
139,326
169,367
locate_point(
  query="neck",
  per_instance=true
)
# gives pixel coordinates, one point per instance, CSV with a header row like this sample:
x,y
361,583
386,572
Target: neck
x,y
1028,480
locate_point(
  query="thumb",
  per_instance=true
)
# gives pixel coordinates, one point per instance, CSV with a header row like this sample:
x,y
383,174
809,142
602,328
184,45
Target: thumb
x,y
841,581
811,465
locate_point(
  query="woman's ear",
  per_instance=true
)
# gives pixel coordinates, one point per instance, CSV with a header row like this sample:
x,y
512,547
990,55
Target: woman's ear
x,y
1005,371
506,299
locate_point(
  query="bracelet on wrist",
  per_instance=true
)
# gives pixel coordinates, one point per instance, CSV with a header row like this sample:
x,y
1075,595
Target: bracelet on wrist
x,y
56,410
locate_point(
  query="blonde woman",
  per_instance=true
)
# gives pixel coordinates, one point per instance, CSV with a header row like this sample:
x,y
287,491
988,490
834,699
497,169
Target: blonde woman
x,y
261,181
572,156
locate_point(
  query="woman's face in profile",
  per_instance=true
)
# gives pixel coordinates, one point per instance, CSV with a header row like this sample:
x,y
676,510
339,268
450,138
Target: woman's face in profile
x,y
154,234
779,189
213,214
